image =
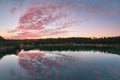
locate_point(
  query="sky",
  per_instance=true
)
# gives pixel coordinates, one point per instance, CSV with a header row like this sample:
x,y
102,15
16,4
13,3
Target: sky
x,y
34,19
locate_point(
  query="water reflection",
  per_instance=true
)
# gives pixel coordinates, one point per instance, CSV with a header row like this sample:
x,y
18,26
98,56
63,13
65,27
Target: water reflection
x,y
64,65
43,65
111,50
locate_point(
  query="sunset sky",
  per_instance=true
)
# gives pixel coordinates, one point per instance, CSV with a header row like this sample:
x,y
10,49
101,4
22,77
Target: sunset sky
x,y
33,19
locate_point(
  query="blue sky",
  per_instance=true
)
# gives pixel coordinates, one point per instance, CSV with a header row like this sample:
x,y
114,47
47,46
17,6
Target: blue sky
x,y
85,18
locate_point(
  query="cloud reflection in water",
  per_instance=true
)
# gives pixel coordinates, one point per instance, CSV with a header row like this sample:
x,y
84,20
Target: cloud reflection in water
x,y
44,65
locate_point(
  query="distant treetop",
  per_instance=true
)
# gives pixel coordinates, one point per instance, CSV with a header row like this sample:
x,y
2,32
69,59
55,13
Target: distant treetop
x,y
1,38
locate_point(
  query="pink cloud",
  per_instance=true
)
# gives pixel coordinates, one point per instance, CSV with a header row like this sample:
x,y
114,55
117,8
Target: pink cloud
x,y
39,18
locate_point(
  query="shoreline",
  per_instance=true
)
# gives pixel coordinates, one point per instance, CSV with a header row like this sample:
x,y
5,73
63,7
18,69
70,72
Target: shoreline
x,y
10,48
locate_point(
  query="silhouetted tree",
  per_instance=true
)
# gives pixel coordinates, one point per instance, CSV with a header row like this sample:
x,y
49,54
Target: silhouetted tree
x,y
1,38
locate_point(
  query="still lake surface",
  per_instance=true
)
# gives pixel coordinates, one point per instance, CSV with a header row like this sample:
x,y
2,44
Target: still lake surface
x,y
60,65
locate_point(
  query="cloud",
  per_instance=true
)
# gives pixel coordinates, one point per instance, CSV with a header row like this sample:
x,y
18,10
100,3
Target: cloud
x,y
42,20
114,12
100,9
13,10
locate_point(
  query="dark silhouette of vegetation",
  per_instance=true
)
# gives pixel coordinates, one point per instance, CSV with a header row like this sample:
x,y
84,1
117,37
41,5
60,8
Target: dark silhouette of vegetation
x,y
74,40
109,44
1,38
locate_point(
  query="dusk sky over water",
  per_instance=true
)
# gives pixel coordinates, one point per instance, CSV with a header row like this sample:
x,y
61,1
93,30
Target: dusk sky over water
x,y
33,19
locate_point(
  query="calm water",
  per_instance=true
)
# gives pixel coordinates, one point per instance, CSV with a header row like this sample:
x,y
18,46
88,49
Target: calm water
x,y
60,65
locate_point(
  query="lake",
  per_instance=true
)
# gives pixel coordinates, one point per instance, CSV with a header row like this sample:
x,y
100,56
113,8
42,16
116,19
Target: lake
x,y
60,65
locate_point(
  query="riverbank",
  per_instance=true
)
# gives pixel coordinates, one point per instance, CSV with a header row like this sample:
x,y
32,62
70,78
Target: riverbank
x,y
62,44
63,47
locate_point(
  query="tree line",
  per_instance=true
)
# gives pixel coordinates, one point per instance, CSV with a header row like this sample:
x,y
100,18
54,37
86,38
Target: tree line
x,y
71,40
